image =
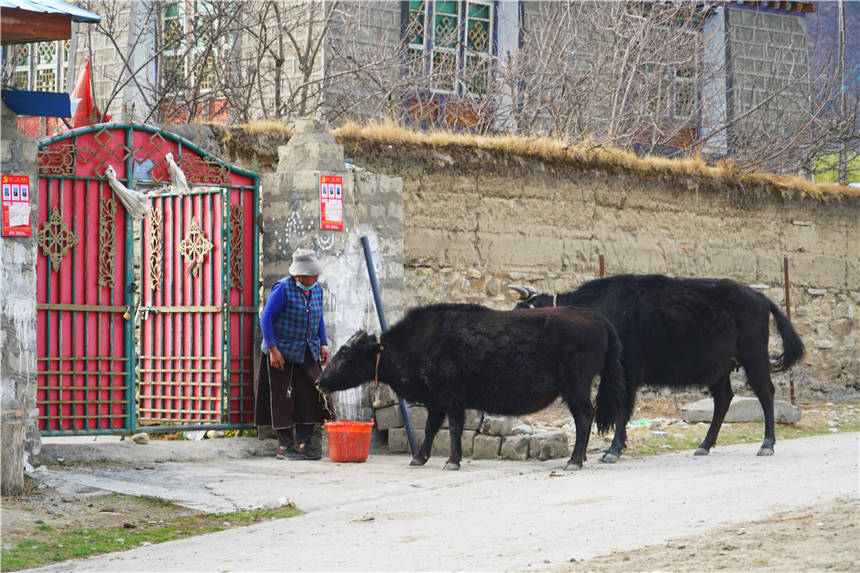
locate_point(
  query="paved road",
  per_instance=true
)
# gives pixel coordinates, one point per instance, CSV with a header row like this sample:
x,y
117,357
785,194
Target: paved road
x,y
384,516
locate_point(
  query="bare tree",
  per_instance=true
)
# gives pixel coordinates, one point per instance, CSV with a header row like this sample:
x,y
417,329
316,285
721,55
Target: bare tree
x,y
628,74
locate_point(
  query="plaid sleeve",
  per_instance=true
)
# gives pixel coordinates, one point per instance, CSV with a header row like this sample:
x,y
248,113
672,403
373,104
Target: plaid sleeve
x,y
274,306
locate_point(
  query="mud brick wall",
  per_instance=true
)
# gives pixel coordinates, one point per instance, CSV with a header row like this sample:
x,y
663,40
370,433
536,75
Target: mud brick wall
x,y
476,221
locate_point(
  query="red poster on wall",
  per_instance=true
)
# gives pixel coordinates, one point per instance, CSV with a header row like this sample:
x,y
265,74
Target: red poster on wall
x,y
16,205
331,202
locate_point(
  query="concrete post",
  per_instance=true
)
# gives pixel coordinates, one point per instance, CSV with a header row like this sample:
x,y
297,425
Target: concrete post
x,y
18,365
372,206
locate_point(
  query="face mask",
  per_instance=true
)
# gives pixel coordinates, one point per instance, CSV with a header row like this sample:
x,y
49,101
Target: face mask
x,y
306,288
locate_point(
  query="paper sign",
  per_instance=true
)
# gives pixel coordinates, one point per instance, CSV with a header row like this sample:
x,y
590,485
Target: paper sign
x,y
16,205
331,202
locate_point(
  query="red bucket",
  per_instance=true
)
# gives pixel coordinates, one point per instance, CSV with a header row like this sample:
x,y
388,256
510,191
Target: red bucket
x,y
348,441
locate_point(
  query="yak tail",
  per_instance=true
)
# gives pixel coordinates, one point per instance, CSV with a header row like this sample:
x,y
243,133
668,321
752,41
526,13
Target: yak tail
x,y
611,392
792,346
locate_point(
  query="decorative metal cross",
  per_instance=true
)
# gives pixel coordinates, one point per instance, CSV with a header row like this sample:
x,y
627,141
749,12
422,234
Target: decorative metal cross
x,y
56,239
194,247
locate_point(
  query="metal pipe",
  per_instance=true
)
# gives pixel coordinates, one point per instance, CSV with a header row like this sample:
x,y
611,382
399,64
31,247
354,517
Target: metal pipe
x,y
602,268
788,314
380,313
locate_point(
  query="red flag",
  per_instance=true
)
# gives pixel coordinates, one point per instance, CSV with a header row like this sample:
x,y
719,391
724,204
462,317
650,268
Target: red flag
x,y
86,113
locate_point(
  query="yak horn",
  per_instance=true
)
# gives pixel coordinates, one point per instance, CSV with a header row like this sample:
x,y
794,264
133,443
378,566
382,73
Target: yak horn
x,y
526,292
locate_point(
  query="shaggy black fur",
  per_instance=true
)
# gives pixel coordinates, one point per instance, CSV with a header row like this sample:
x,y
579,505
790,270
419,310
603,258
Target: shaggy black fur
x,y
456,356
687,332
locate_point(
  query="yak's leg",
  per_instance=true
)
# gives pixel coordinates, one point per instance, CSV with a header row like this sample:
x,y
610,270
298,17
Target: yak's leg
x,y
758,375
619,441
583,415
434,420
456,419
721,392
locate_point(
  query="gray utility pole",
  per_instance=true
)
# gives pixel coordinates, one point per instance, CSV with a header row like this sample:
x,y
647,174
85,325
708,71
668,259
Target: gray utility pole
x,y
843,133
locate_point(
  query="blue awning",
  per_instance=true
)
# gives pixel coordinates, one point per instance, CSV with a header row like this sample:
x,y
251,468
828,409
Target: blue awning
x,y
52,7
41,104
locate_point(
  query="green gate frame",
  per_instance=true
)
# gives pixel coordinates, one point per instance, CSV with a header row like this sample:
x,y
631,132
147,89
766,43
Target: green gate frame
x,y
129,286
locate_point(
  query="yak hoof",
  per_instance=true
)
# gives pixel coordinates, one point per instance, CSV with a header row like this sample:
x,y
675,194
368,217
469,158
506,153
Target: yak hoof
x,y
763,451
416,462
609,458
451,466
572,467
702,452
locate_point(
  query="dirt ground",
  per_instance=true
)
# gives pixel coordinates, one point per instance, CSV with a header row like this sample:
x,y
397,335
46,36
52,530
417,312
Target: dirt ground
x,y
825,538
818,538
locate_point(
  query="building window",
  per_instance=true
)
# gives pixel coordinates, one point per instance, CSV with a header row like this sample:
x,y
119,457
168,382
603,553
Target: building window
x,y
173,36
454,51
38,68
21,76
188,57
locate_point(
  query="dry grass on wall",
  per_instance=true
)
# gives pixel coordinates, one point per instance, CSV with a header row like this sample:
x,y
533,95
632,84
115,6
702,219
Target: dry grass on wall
x,y
590,153
259,141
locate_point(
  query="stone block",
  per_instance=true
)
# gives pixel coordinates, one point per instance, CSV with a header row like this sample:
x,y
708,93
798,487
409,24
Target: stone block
x,y
472,421
486,447
417,415
498,425
311,148
398,442
388,417
549,445
742,409
442,443
385,397
515,448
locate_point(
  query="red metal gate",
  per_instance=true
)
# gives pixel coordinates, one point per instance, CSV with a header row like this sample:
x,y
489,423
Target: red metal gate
x,y
169,343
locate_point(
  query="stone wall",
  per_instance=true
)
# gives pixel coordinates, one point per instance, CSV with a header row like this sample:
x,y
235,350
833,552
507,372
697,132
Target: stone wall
x,y
476,222
18,364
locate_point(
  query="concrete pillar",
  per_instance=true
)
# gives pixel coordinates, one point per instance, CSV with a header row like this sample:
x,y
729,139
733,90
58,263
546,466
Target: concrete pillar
x,y
138,95
19,432
715,88
508,45
372,206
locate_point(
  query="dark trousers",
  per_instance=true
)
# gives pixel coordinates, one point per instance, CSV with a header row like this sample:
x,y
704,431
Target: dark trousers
x,y
303,434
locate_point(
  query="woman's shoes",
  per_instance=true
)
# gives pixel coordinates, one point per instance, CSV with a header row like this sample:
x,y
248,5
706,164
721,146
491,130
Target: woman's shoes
x,y
304,452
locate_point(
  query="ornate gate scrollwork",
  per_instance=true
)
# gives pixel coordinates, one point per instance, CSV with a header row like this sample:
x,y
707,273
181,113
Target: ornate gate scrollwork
x,y
107,240
237,246
55,239
194,247
156,245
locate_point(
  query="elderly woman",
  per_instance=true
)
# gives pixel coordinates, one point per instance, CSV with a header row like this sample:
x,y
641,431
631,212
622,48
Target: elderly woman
x,y
294,349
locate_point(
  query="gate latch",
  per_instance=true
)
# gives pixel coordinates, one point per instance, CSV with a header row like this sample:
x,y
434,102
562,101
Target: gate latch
x,y
127,314
146,310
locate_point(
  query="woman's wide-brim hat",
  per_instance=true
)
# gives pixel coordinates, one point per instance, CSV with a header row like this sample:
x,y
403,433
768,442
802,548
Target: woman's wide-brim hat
x,y
305,263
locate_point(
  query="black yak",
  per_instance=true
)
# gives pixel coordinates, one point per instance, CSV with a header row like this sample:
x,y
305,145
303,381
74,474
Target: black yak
x,y
686,332
456,356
